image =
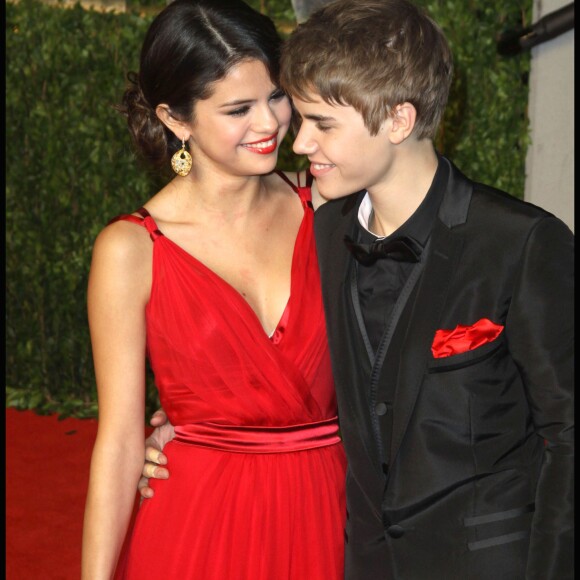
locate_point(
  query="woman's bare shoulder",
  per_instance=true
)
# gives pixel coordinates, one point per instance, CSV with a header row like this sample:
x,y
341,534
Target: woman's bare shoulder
x,y
121,270
122,242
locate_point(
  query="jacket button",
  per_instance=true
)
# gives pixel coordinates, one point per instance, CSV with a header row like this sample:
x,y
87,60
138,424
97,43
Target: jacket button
x,y
396,531
381,409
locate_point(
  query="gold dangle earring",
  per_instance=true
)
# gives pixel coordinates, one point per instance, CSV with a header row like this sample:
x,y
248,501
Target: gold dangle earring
x,y
181,161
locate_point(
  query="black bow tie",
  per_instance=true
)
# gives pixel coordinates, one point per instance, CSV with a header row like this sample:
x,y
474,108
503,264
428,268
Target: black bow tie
x,y
402,249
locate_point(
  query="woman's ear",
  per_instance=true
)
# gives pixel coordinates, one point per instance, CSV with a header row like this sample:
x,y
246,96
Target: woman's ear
x,y
177,127
402,122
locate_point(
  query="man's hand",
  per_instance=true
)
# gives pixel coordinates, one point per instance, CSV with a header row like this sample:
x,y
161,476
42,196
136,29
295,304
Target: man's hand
x,y
154,458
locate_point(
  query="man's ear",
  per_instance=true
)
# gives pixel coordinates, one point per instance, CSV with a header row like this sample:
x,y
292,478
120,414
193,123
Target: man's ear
x,y
179,128
402,119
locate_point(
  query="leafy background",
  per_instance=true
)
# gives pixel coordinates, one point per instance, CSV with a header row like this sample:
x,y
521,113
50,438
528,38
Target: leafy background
x,y
70,167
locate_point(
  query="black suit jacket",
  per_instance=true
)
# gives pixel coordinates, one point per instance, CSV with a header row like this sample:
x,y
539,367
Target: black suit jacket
x,y
479,484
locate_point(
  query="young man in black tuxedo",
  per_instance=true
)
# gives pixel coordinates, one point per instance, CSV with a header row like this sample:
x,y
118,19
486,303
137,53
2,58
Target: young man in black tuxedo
x,y
449,312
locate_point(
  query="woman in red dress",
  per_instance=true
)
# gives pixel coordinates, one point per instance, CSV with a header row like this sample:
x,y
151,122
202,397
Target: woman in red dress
x,y
215,279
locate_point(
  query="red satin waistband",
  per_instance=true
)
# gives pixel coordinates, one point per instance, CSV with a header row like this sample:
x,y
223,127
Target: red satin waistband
x,y
246,439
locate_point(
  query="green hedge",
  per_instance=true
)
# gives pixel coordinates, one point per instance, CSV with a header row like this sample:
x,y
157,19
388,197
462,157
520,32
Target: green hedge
x,y
70,167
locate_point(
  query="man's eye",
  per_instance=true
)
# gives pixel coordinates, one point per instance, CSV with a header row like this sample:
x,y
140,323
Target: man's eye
x,y
277,95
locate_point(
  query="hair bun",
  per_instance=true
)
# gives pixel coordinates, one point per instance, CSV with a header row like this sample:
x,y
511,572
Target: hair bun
x,y
144,125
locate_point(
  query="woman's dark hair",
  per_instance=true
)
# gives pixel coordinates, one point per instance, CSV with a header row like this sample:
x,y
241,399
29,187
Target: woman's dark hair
x,y
189,46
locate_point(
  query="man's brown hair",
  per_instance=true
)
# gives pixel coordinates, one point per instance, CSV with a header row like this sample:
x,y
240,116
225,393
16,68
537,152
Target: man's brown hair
x,y
371,55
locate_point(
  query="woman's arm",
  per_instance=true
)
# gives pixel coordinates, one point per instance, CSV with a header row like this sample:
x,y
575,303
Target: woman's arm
x,y
119,287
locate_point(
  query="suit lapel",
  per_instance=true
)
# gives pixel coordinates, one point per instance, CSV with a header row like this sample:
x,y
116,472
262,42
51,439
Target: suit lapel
x,y
346,341
441,262
415,353
333,254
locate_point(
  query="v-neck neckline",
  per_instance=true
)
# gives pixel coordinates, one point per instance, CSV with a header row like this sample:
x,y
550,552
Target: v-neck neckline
x,y
284,315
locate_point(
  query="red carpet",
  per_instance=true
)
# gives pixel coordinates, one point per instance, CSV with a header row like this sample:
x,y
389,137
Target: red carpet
x,y
47,473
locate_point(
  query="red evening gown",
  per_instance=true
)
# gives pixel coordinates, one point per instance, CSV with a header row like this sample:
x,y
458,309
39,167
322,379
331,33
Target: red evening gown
x,y
257,470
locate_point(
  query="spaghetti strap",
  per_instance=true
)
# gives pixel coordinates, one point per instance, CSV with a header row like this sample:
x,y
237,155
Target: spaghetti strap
x,y
295,187
287,180
145,220
303,192
126,218
143,212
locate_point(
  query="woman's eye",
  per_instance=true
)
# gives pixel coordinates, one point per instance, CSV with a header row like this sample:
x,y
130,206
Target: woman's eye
x,y
239,112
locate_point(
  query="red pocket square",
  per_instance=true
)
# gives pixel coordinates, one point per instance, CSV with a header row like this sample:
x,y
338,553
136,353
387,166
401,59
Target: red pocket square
x,y
464,338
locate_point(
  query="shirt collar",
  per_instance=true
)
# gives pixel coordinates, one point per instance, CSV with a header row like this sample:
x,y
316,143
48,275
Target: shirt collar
x,y
420,224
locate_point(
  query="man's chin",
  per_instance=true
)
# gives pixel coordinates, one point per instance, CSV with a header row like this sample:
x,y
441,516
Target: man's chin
x,y
331,193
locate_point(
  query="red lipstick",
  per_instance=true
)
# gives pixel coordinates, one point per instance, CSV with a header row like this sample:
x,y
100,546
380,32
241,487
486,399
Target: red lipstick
x,y
263,146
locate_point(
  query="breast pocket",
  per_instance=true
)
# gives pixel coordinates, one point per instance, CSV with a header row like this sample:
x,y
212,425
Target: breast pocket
x,y
466,359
